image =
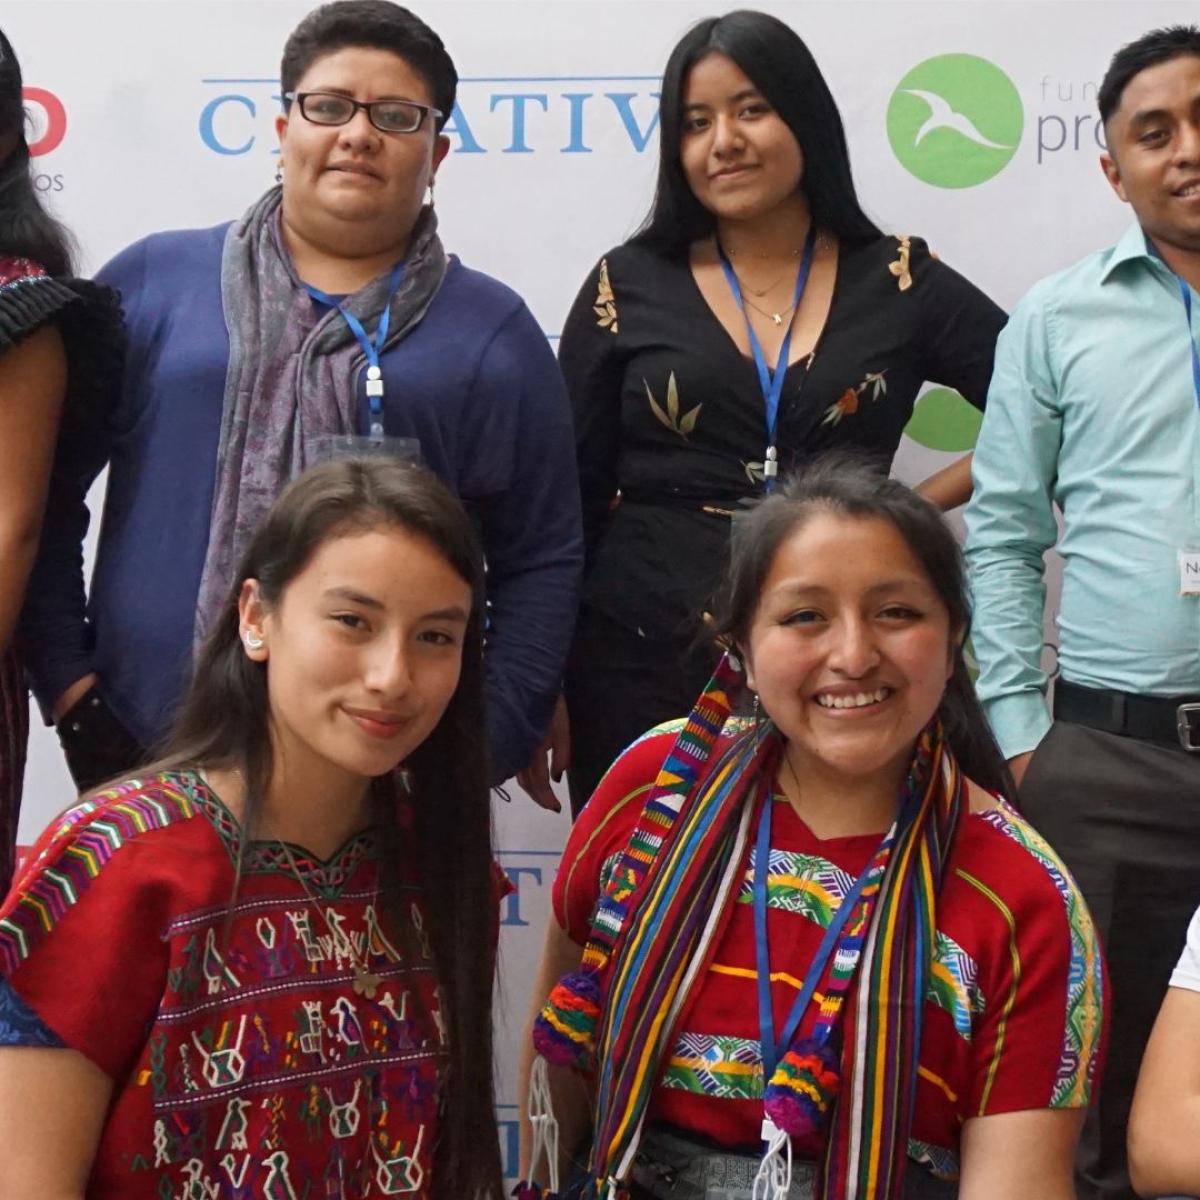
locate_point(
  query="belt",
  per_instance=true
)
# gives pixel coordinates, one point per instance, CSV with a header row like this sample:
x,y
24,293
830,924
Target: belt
x,y
721,507
1171,719
670,1167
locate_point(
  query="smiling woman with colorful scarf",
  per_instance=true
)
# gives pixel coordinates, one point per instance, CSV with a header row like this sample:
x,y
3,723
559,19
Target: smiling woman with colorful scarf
x,y
811,951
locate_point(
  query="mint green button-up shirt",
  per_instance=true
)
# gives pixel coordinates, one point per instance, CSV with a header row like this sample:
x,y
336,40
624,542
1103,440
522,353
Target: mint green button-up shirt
x,y
1092,407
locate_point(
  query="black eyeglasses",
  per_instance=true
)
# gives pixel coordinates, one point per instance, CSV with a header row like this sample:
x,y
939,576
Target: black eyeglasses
x,y
388,116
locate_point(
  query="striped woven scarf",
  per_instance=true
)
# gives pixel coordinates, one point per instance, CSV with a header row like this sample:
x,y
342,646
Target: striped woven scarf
x,y
662,915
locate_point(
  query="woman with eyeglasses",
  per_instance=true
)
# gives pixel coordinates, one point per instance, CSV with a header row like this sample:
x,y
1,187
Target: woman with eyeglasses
x,y
329,316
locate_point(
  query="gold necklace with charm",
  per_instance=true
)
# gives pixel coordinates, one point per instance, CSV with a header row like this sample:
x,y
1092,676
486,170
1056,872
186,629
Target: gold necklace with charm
x,y
777,317
366,981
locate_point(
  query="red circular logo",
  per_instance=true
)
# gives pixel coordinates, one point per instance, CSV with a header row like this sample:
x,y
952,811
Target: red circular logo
x,y
56,120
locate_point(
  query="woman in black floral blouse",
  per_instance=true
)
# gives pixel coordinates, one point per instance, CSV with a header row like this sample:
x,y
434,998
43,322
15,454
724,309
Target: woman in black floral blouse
x,y
670,393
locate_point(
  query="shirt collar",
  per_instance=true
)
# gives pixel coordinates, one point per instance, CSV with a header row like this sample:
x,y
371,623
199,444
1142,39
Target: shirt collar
x,y
1132,245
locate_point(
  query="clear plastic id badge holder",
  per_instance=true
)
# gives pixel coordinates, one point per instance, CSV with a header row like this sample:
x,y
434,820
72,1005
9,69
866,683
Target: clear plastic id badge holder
x,y
1189,572
328,446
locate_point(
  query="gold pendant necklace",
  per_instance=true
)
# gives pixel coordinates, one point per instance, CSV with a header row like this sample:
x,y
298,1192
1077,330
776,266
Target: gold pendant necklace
x,y
777,317
366,982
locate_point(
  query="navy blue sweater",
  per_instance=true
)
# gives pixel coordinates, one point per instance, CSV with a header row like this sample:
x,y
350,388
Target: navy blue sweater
x,y
475,383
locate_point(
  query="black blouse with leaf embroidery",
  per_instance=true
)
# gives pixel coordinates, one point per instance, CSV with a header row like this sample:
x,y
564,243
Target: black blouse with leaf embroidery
x,y
670,416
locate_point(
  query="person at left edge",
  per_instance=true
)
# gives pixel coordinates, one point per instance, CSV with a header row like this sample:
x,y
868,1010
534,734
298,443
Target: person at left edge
x,y
210,426
60,345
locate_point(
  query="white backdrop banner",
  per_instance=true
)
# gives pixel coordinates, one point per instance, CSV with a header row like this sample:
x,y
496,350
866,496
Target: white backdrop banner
x,y
972,124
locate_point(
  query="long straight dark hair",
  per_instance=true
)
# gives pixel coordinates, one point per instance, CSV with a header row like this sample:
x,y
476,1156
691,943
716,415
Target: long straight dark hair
x,y
27,230
782,68
226,722
851,485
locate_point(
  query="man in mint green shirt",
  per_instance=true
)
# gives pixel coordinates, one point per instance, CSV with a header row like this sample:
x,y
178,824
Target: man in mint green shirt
x,y
1094,407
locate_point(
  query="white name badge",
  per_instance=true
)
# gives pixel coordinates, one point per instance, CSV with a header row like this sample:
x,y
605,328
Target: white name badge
x,y
1189,572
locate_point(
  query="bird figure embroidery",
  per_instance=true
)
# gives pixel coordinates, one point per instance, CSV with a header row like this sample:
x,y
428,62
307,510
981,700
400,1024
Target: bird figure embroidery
x,y
942,116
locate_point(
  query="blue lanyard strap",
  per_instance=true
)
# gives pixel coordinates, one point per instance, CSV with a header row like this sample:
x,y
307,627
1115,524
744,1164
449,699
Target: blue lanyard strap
x,y
370,348
771,382
1186,293
772,1051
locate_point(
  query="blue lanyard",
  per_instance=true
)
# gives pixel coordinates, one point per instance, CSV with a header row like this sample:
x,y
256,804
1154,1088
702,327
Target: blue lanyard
x,y
1186,293
771,382
369,348
772,1051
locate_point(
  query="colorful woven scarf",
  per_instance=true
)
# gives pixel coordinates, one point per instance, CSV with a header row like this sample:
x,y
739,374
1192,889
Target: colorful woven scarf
x,y
663,912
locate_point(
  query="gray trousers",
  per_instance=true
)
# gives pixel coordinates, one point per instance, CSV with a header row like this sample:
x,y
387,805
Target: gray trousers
x,y
1124,815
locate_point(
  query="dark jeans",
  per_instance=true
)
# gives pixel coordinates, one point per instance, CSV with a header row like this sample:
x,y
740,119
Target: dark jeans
x,y
1124,815
97,746
621,683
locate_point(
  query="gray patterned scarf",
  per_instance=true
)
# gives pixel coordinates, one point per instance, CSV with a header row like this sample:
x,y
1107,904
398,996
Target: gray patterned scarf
x,y
291,376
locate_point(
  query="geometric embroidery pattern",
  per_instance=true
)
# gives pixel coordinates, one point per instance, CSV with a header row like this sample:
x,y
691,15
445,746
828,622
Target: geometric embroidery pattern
x,y
954,983
59,887
730,1068
263,1071
269,857
813,887
726,1067
801,883
1085,986
136,807
942,1163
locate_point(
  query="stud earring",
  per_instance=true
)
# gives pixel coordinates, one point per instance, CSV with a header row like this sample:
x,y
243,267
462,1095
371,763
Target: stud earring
x,y
252,640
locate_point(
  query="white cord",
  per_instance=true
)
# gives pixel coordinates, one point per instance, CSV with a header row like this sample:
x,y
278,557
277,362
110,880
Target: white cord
x,y
774,1178
543,1123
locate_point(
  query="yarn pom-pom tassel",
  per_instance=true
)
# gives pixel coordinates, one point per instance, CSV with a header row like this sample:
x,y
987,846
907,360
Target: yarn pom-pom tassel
x,y
565,1028
532,1191
801,1092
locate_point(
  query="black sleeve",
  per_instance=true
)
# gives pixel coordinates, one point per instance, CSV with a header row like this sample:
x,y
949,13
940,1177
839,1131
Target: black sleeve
x,y
959,326
591,364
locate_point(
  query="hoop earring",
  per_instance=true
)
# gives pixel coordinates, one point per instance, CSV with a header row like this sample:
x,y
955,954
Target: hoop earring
x,y
252,640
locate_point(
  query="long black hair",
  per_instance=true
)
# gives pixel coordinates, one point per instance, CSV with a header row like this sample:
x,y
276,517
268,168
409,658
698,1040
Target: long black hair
x,y
225,722
854,486
27,230
782,68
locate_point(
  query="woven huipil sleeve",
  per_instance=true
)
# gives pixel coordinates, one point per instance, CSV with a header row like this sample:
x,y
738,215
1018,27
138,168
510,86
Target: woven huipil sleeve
x,y
1039,1041
81,933
603,828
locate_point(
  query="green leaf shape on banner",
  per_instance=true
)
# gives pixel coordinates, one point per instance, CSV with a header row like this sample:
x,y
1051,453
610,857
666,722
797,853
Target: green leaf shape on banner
x,y
943,420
